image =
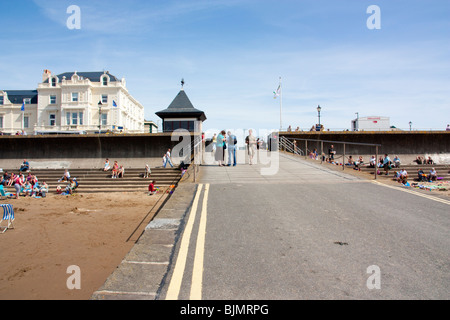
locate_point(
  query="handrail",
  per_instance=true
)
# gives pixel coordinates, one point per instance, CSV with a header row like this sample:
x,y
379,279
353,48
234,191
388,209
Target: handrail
x,y
285,142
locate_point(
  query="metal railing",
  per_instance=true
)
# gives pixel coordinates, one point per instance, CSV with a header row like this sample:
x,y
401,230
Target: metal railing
x,y
288,144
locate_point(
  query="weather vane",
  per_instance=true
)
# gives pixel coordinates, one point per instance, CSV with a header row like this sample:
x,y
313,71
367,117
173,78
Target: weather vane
x,y
182,83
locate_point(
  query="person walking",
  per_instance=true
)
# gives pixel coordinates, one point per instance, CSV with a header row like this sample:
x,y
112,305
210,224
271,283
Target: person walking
x,y
168,159
250,140
231,139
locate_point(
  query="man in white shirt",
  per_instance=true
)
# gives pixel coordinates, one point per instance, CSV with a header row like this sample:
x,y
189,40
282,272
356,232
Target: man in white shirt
x,y
168,159
251,145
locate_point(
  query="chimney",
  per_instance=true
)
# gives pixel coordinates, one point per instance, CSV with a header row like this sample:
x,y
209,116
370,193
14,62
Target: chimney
x,y
47,74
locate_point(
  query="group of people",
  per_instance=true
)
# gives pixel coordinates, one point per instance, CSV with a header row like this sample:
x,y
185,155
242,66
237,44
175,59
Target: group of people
x,y
423,177
117,171
421,160
72,184
28,186
228,141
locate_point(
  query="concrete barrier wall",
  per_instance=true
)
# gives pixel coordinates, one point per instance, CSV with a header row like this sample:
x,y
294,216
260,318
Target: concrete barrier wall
x,y
85,146
413,143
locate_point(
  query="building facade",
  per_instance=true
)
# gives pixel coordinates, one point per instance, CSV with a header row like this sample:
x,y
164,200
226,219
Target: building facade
x,y
374,123
73,102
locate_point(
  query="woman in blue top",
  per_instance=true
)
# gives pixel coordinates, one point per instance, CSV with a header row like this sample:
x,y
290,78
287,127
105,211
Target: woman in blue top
x,y
220,153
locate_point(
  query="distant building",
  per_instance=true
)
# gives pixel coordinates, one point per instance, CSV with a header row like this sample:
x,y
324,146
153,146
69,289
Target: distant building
x,y
150,127
72,102
373,123
181,114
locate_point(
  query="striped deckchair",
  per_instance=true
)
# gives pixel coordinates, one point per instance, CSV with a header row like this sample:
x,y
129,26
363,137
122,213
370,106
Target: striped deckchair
x,y
8,216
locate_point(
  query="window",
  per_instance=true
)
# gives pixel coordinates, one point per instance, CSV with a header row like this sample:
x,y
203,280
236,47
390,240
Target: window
x,y
2,101
1,122
104,119
53,82
74,118
74,96
52,99
26,122
27,101
105,81
104,98
52,119
170,126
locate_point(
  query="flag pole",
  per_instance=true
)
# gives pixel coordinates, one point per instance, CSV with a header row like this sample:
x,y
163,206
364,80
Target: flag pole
x,y
281,106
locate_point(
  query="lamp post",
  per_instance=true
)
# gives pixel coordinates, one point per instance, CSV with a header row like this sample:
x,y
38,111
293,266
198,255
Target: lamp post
x,y
318,111
100,104
410,126
357,122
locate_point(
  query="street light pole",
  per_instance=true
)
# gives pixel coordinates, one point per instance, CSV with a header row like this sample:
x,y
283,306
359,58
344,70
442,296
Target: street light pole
x,y
357,122
410,126
318,111
100,117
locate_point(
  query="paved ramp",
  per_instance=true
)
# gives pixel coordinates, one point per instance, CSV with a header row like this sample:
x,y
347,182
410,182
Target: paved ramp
x,y
308,232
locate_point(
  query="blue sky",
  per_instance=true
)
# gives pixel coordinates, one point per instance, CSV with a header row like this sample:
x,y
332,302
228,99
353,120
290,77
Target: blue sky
x,y
232,53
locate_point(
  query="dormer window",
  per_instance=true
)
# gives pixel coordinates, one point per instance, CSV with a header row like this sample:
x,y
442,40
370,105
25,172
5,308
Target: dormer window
x,y
54,81
27,101
2,100
105,81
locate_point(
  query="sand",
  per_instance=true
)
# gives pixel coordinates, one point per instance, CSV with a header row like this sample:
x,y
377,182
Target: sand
x,y
91,231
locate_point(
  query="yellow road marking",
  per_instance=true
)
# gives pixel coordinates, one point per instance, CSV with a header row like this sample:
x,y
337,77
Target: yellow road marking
x,y
177,277
197,273
413,192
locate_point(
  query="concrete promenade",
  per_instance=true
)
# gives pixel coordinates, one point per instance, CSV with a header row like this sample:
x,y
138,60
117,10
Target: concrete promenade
x,y
299,231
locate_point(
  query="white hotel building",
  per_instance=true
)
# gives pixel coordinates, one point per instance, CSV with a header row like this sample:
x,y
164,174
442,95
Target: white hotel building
x,y
72,102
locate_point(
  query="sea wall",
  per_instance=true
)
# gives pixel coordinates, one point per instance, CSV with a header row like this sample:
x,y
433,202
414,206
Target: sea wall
x,y
392,142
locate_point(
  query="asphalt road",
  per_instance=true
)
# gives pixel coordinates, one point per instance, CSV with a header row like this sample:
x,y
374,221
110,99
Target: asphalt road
x,y
308,232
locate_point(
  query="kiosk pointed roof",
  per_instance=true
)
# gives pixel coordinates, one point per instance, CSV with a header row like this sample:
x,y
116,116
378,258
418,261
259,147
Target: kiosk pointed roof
x,y
181,107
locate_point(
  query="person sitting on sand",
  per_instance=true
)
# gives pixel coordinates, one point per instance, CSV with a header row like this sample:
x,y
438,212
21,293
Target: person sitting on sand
x,y
35,190
27,188
430,161
43,190
151,188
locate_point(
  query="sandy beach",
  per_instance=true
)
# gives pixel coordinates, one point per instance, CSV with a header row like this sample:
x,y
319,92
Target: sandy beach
x,y
91,231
